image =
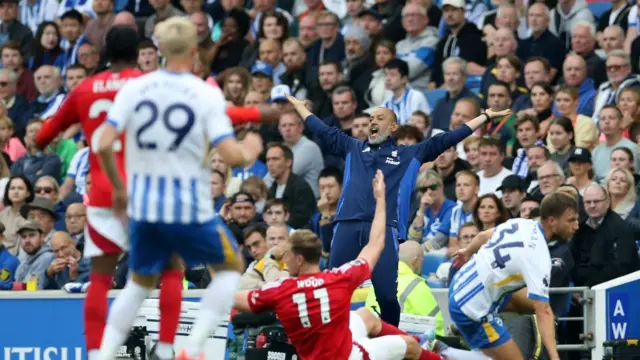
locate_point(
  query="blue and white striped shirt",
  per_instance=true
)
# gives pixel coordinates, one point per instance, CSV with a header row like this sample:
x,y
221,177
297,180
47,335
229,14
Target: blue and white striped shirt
x,y
409,102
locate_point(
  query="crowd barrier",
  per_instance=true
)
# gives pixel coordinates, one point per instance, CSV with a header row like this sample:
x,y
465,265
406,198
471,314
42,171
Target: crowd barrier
x,y
48,325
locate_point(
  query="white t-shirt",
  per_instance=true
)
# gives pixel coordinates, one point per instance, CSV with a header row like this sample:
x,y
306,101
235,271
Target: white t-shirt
x,y
491,184
516,256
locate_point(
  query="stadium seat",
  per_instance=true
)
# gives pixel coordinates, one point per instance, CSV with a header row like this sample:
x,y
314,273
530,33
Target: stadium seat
x,y
431,263
599,7
433,96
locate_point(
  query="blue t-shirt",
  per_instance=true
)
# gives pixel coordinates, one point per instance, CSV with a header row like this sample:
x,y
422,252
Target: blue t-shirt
x,y
433,221
258,169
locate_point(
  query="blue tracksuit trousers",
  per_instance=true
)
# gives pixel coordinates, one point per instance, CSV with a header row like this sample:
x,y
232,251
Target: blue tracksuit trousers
x,y
349,238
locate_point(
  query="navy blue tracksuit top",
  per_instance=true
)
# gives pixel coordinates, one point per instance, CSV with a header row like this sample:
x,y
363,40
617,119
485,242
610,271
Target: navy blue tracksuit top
x,y
399,163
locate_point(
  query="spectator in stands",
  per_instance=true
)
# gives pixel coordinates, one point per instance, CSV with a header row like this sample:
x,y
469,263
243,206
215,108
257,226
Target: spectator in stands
x,y
621,188
329,76
561,142
163,9
550,177
8,264
499,98
254,98
580,169
74,76
413,293
257,168
266,269
330,43
98,26
296,75
543,41
276,212
612,39
48,83
235,84
629,105
72,37
574,71
289,187
277,233
448,165
454,71
372,22
330,186
307,28
35,163
203,32
89,58
433,207
46,47
68,266
620,13
566,102
508,69
527,129
357,64
504,43
583,43
35,12
542,102
258,190
622,157
354,8
17,193
377,94
360,127
620,76
75,220
465,110
38,256
232,184
528,204
227,51
270,52
611,126
12,28
42,211
418,48
408,135
217,190
463,39
147,56
12,59
604,247
514,190
255,241
11,145
472,152
536,70
489,212
405,100
260,10
566,15
47,187
74,181
241,211
18,107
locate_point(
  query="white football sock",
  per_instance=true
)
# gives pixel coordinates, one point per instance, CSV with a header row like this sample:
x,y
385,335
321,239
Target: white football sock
x,y
164,351
93,354
457,354
122,315
216,302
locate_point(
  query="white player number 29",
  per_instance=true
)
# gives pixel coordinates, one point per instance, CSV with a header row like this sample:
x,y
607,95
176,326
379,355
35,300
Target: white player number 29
x,y
102,106
301,300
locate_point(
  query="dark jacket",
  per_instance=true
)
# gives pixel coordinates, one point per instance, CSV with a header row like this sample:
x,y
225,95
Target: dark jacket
x,y
300,82
441,114
359,77
20,112
622,19
20,33
335,52
547,46
467,44
561,267
400,165
596,68
449,181
37,166
604,253
8,265
299,198
60,279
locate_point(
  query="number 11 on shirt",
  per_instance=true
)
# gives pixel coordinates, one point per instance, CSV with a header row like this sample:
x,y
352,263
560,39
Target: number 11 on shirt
x,y
320,295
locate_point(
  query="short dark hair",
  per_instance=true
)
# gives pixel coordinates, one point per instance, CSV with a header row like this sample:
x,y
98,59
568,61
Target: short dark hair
x,y
466,225
288,154
28,184
500,83
470,174
335,64
306,244
615,107
547,153
121,44
217,172
492,141
331,171
258,228
12,45
361,115
77,67
398,64
545,63
512,59
525,119
74,15
146,44
235,196
424,116
275,202
409,131
556,203
503,213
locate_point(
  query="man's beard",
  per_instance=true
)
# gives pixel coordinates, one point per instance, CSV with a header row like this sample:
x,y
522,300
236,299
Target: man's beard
x,y
379,138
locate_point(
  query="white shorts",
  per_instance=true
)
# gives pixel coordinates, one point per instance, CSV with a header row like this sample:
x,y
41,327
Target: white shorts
x,y
104,234
391,347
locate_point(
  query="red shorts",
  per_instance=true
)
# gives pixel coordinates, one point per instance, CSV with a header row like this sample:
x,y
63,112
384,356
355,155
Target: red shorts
x,y
105,233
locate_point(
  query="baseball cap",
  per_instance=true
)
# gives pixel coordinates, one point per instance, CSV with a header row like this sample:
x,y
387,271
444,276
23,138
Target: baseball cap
x,y
371,12
513,182
279,92
261,67
580,155
460,4
30,225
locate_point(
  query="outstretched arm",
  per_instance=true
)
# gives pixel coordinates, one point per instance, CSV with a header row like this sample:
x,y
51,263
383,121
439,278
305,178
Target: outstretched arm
x,y
373,249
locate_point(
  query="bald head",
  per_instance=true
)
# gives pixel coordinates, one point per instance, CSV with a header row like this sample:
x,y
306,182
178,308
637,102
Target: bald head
x,y
125,18
574,70
612,38
409,250
62,244
276,235
504,42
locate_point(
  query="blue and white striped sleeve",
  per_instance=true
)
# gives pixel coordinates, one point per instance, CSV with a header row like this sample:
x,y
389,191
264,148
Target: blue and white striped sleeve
x,y
120,111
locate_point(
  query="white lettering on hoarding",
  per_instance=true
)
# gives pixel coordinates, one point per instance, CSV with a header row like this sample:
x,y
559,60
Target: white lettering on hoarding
x,y
38,353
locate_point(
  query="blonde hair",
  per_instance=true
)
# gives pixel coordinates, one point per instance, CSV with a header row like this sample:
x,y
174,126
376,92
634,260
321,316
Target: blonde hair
x,y
7,121
54,182
176,36
625,206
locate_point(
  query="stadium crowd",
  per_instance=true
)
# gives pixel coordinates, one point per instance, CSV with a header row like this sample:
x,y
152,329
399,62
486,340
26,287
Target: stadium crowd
x,y
567,74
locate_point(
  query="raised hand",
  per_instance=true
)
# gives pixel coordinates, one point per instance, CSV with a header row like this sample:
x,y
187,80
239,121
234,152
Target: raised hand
x,y
493,114
460,257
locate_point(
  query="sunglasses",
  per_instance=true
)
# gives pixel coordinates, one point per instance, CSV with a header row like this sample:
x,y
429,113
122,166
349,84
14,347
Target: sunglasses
x,y
3,83
46,190
424,189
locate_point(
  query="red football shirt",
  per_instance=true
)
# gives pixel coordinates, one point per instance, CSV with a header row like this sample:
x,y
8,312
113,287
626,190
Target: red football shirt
x,y
314,309
89,104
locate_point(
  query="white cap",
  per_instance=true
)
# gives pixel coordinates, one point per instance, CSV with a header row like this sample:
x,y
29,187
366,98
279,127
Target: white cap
x,y
278,93
460,4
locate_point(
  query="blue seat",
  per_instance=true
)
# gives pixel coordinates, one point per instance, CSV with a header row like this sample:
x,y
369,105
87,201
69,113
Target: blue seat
x,y
433,96
431,263
599,7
